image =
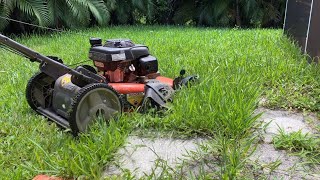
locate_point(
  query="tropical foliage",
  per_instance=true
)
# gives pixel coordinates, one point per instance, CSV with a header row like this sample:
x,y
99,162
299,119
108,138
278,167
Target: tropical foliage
x,y
230,12
84,13
55,13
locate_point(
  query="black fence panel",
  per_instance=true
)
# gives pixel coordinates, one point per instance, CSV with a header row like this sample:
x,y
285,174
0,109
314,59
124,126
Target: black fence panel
x,y
302,23
297,20
313,46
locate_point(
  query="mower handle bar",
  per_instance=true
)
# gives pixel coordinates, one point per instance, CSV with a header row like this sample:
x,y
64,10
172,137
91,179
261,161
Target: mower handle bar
x,y
49,66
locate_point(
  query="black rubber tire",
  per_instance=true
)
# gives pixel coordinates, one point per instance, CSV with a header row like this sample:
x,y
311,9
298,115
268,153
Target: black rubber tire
x,y
39,83
82,94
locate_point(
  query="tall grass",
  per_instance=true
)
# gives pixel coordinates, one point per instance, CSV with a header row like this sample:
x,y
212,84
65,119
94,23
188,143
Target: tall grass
x,y
236,67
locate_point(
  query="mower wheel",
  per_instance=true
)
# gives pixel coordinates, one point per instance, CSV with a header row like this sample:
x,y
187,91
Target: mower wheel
x,y
39,90
93,101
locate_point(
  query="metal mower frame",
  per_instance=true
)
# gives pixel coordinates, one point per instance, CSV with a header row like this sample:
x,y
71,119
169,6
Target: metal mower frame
x,y
127,78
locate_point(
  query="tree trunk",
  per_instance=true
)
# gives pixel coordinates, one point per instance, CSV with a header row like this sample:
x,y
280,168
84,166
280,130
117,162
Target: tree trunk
x,y
237,14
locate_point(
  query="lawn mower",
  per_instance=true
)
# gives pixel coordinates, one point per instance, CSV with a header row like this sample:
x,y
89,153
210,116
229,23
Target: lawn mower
x,y
125,77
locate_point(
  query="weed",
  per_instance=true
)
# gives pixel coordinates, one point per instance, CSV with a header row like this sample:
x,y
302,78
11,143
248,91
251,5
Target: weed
x,y
301,144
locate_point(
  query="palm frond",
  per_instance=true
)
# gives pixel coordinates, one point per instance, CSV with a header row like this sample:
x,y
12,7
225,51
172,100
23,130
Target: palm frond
x,y
5,11
36,8
80,12
99,10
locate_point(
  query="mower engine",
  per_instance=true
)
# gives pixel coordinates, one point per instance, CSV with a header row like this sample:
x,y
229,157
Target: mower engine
x,y
122,60
132,72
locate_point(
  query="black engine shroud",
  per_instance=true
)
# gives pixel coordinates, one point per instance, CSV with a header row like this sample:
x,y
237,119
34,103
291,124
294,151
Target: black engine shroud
x,y
108,57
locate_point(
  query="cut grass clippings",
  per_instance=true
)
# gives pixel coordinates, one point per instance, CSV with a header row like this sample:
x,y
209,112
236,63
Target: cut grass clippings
x,y
236,67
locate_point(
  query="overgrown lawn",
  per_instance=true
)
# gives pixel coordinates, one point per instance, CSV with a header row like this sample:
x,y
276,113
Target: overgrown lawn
x,y
237,69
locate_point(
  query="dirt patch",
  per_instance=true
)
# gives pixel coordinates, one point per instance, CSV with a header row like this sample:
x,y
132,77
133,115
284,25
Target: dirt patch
x,y
144,156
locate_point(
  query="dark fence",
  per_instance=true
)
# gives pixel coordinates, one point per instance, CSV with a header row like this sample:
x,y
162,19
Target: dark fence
x,y
302,23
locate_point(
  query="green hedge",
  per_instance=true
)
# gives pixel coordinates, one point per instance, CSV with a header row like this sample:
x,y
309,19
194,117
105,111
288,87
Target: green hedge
x,y
86,13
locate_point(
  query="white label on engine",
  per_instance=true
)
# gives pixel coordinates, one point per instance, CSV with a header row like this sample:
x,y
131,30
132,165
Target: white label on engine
x,y
118,57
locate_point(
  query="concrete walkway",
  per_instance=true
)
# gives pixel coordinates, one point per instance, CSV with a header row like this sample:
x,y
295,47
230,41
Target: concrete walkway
x,y
143,156
291,167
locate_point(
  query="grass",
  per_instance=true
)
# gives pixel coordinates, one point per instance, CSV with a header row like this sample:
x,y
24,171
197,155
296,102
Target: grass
x,y
302,144
237,68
